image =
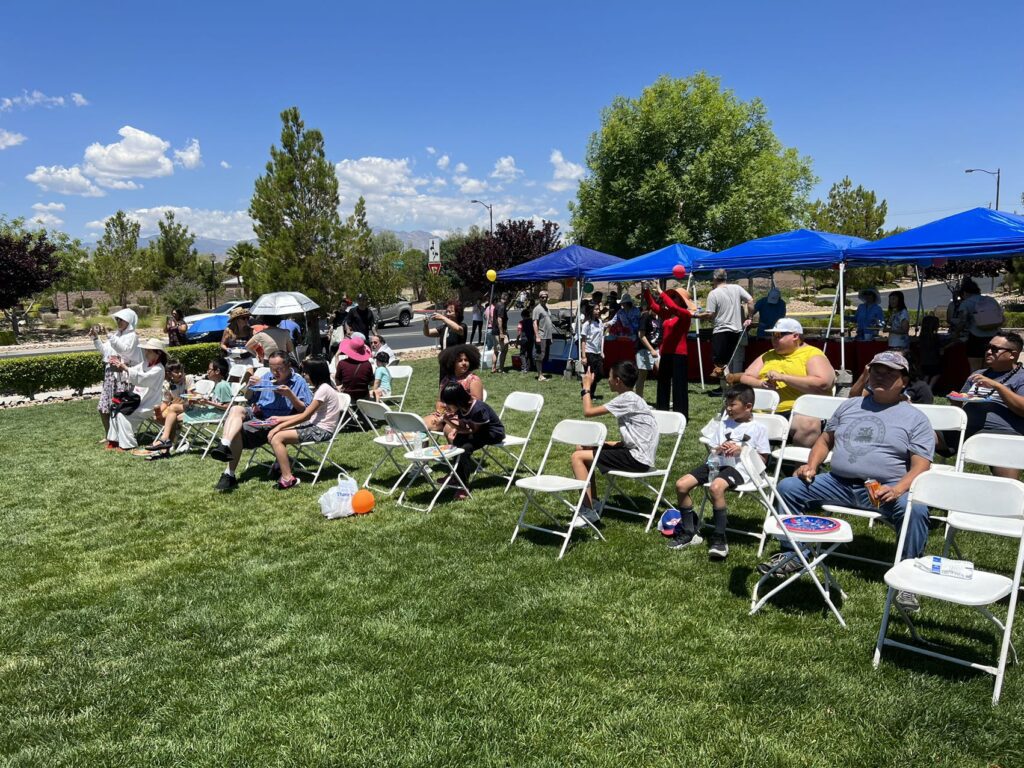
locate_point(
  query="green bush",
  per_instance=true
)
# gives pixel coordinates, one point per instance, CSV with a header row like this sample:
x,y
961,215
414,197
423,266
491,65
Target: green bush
x,y
29,376
83,302
1013,320
6,338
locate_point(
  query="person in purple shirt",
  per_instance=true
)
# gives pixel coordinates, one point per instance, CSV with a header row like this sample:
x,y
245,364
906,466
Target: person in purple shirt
x,y
285,394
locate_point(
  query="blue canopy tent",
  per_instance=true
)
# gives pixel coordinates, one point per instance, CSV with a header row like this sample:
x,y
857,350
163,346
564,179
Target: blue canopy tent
x,y
652,266
573,261
799,249
979,233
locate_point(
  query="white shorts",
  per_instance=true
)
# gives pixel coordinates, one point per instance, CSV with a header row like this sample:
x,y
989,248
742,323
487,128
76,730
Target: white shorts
x,y
644,360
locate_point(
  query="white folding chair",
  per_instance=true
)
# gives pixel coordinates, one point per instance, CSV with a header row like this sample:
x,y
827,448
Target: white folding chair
x,y
671,425
513,447
964,495
947,418
237,398
567,432
237,372
377,413
777,428
819,544
203,425
399,374
421,456
766,400
816,407
991,450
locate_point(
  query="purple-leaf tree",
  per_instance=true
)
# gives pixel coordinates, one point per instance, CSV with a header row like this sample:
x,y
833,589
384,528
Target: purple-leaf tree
x,y
29,264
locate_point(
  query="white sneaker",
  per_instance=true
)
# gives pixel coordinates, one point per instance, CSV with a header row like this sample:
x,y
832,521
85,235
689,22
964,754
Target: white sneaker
x,y
185,447
586,515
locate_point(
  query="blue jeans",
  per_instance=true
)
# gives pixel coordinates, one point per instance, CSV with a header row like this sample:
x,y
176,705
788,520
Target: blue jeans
x,y
826,489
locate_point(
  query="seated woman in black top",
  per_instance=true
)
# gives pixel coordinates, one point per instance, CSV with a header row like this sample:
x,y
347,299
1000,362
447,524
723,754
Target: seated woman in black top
x,y
474,424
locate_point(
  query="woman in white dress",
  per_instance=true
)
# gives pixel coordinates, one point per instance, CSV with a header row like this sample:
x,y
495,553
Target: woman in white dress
x,y
121,345
147,378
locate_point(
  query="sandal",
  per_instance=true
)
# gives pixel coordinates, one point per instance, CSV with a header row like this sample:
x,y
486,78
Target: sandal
x,y
161,445
284,485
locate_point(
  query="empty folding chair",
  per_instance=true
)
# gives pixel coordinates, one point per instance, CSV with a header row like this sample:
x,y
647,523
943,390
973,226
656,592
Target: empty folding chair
x,y
991,450
508,454
564,489
401,376
820,536
966,495
375,414
671,425
421,452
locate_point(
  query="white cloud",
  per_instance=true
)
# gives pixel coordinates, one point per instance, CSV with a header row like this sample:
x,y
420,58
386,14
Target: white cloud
x,y
79,100
565,175
461,168
505,169
225,165
443,161
375,176
431,151
46,214
9,139
138,154
64,181
219,225
469,186
189,156
437,181
28,100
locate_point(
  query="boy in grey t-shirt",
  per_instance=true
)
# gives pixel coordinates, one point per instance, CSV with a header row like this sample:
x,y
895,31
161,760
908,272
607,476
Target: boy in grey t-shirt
x,y
637,425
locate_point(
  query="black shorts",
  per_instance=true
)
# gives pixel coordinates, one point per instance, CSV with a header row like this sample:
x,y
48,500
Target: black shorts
x,y
254,437
619,458
731,475
723,344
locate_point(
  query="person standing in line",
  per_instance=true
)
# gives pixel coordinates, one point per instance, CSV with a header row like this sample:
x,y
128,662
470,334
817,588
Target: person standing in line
x,y
592,345
675,309
477,331
545,331
769,310
499,331
725,306
898,323
648,339
527,337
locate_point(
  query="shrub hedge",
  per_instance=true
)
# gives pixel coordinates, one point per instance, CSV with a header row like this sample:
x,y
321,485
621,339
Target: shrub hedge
x,y
29,376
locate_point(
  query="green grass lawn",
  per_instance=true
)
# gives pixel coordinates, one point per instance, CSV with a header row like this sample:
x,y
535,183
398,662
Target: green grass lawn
x,y
147,620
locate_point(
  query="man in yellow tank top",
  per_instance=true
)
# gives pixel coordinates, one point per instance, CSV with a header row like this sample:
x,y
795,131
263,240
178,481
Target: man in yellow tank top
x,y
792,368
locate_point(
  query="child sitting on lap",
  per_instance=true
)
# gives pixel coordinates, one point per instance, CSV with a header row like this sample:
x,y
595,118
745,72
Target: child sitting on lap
x,y
722,469
637,426
381,377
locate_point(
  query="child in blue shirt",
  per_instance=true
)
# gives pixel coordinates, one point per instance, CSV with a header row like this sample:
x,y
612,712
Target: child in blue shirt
x,y
381,378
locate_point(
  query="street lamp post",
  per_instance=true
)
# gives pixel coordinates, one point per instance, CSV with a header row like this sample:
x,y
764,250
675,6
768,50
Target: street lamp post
x,y
490,212
995,173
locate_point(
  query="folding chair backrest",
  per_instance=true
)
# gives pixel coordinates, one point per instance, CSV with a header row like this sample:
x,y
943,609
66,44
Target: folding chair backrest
x,y
669,422
776,426
766,400
260,372
237,371
236,387
405,422
944,417
817,406
578,432
753,464
525,402
994,450
375,413
400,372
969,494
203,387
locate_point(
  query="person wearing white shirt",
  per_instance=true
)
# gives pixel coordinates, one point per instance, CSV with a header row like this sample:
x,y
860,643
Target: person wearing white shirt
x,y
592,345
147,380
122,345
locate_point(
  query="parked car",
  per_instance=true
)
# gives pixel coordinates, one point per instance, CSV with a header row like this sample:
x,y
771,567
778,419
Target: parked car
x,y
207,332
400,312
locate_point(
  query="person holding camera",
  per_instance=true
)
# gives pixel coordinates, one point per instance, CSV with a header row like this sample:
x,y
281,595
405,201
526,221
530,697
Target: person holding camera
x,y
121,345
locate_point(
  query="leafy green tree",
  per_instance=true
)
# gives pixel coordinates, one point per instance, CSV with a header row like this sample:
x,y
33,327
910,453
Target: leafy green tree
x,y
74,265
687,162
116,260
181,293
210,275
245,261
29,265
173,250
295,214
850,211
414,273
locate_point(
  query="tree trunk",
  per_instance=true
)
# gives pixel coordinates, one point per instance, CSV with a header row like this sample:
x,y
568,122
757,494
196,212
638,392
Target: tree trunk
x,y
14,323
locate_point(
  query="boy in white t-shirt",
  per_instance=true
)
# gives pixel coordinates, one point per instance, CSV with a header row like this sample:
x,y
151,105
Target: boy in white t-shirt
x,y
637,426
726,437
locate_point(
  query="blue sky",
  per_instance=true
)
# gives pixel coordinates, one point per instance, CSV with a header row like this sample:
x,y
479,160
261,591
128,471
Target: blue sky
x,y
425,106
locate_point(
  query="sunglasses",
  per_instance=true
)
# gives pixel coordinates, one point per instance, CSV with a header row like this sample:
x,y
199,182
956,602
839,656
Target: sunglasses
x,y
997,350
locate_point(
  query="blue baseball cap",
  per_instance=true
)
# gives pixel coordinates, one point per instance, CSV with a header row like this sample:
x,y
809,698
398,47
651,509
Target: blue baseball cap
x,y
669,522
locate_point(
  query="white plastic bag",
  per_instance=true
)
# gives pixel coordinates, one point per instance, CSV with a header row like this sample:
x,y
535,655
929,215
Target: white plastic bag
x,y
487,358
337,502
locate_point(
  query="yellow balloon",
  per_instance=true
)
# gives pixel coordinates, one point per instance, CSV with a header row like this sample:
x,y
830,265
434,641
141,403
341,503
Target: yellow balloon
x,y
492,275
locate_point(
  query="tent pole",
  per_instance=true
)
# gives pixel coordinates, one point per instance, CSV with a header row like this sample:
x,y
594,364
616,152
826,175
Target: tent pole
x,y
920,300
842,315
700,355
831,314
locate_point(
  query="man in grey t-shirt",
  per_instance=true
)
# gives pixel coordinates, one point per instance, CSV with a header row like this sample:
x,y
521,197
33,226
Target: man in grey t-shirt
x,y
545,331
880,437
725,306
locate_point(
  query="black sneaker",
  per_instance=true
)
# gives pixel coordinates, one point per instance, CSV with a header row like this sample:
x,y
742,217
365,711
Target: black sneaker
x,y
791,564
684,540
907,601
719,549
226,483
221,452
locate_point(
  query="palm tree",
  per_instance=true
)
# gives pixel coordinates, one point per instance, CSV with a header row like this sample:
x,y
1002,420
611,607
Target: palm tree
x,y
241,257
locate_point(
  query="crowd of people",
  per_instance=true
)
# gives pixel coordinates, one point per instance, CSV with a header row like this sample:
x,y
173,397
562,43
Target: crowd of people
x,y
876,434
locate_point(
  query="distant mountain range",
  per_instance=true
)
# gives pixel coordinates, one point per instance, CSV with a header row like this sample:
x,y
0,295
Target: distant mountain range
x,y
219,248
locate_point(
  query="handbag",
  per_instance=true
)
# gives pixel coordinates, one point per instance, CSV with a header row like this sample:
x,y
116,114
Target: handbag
x,y
125,399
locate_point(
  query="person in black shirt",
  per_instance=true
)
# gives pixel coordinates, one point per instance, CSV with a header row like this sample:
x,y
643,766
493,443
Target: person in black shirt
x,y
499,331
475,425
359,318
451,331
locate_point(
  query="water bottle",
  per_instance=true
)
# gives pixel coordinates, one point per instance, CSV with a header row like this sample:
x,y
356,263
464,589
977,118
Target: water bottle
x,y
943,566
713,466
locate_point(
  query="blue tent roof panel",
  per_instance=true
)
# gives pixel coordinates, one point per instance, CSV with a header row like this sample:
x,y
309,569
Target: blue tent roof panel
x,y
799,249
571,261
652,266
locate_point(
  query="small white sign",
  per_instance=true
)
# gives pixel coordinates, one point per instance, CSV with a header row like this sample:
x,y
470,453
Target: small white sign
x,y
434,251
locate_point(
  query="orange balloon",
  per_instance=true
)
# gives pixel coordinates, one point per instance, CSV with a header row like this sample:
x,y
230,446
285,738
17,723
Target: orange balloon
x,y
362,502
